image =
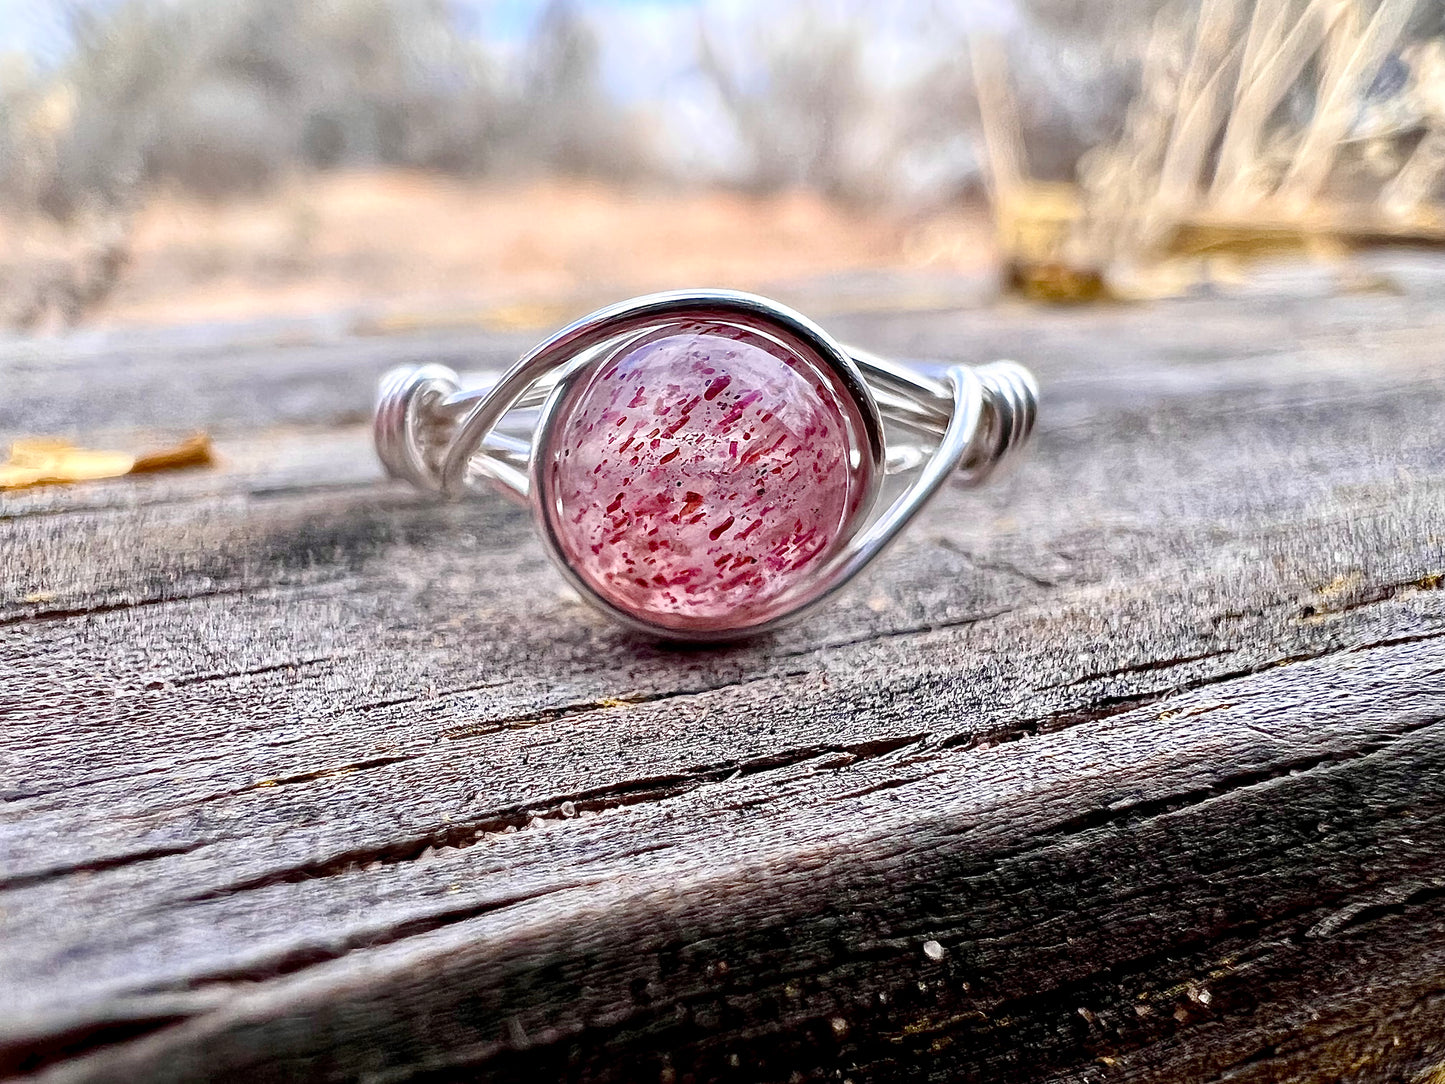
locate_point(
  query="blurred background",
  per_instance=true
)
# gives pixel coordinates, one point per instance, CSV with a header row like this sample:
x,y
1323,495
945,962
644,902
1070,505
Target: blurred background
x,y
499,161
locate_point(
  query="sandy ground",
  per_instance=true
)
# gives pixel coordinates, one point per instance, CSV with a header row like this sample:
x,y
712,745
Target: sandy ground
x,y
400,243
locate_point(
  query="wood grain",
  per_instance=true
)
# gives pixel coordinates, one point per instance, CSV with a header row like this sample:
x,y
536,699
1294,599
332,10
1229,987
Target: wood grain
x,y
1131,767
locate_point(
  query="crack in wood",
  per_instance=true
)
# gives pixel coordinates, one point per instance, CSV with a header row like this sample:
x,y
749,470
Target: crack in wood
x,y
100,865
296,960
29,1054
256,671
329,773
556,807
605,703
40,616
18,1057
1134,813
887,784
518,817
1146,667
1393,900
1117,816
995,564
1432,581
1110,706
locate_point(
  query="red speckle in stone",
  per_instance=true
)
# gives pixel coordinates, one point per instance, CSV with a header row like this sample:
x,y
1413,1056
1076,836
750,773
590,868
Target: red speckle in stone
x,y
716,388
740,408
691,480
736,581
758,452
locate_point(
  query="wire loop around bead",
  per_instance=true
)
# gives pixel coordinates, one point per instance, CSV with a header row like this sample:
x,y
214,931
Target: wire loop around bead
x,y
448,433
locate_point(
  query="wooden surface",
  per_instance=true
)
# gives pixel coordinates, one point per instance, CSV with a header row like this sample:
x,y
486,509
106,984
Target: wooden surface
x,y
1130,768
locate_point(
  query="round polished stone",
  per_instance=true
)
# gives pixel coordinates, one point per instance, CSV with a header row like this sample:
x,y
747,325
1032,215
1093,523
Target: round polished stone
x,y
699,477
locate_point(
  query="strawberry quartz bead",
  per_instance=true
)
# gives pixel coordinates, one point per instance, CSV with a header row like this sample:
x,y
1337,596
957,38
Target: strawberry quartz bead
x,y
696,478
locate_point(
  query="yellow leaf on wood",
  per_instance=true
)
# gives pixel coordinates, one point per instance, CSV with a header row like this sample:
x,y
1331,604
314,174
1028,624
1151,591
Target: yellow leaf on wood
x,y
41,461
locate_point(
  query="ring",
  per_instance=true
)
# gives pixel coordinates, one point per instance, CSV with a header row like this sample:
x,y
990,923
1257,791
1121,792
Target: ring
x,y
704,465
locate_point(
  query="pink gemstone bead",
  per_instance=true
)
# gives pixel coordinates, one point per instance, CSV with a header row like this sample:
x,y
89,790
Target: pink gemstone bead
x,y
697,477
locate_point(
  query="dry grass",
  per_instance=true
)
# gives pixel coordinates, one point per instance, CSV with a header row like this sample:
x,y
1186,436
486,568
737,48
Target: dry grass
x,y
408,242
1258,127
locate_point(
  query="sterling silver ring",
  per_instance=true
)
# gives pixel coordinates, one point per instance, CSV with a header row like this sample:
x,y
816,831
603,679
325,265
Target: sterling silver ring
x,y
704,465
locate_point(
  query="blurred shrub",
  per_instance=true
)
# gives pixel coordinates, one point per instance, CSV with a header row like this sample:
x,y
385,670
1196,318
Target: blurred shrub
x,y
858,100
222,98
225,98
868,101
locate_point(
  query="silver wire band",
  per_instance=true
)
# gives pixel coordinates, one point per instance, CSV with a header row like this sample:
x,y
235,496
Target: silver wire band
x,y
449,433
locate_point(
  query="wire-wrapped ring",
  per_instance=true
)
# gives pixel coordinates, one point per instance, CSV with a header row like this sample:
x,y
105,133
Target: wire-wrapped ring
x,y
704,465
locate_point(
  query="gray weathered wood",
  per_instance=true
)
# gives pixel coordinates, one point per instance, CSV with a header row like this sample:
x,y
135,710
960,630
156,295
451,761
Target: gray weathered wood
x,y
306,776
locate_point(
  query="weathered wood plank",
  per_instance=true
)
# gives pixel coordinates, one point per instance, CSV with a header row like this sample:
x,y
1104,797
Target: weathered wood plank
x,y
308,776
972,837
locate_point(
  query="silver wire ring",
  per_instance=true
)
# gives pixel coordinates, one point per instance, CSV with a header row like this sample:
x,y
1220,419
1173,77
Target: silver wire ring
x,y
672,557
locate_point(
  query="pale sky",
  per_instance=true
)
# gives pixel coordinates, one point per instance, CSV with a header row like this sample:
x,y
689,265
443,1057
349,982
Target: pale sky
x,y
639,37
